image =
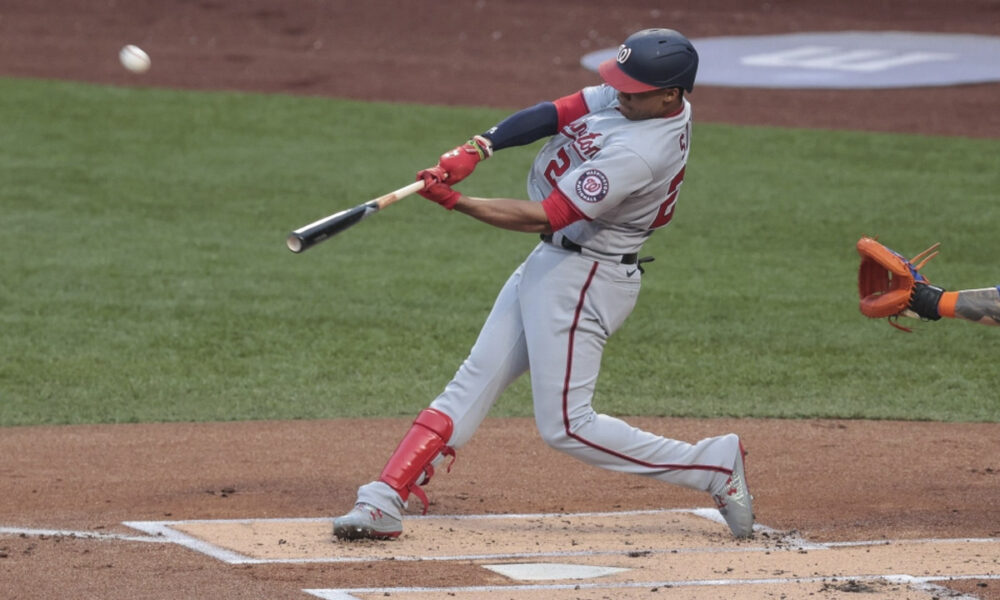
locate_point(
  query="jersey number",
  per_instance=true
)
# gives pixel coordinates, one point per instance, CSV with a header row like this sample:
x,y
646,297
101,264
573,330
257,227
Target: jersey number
x,y
666,211
561,163
557,166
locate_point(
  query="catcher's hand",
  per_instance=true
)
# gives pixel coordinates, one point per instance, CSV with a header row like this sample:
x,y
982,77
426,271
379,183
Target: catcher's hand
x,y
889,285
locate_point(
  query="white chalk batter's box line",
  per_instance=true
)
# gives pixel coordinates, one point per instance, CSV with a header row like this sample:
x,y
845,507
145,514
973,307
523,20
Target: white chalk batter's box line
x,y
165,531
925,584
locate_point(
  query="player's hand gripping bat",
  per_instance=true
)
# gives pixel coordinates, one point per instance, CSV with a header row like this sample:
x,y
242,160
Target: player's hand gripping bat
x,y
308,236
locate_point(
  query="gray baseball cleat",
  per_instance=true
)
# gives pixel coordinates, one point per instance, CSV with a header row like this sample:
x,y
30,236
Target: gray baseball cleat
x,y
734,500
365,522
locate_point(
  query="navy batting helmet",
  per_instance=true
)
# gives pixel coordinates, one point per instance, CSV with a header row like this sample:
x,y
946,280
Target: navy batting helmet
x,y
652,59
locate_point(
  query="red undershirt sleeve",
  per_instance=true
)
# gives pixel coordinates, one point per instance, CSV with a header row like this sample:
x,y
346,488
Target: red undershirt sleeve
x,y
570,108
560,210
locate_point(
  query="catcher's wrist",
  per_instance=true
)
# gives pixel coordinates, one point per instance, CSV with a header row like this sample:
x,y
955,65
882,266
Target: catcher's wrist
x,y
924,300
946,305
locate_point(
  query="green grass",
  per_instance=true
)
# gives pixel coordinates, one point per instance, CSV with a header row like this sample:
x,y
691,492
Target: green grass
x,y
145,278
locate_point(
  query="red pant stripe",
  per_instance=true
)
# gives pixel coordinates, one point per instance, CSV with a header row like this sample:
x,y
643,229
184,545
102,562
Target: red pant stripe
x,y
565,397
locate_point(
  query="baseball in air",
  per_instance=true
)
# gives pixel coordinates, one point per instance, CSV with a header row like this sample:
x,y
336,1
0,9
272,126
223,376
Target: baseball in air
x,y
134,59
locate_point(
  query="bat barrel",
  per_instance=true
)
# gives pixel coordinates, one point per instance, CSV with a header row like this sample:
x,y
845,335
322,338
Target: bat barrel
x,y
301,240
306,237
295,243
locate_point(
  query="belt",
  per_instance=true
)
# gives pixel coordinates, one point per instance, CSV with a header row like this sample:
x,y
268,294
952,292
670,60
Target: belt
x,y
568,244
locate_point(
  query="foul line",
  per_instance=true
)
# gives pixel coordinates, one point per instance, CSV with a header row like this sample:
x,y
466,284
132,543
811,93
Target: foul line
x,y
88,535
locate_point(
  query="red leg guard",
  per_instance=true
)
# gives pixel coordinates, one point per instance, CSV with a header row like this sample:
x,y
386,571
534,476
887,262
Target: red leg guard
x,y
411,462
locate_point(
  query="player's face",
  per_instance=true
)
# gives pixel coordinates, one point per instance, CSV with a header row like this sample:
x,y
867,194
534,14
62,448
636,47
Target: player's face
x,y
648,105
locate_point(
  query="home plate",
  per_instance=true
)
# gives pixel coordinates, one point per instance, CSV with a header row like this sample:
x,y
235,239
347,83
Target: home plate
x,y
543,571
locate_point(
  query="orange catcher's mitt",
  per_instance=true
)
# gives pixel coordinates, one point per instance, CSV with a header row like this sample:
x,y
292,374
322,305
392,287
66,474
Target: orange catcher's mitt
x,y
886,280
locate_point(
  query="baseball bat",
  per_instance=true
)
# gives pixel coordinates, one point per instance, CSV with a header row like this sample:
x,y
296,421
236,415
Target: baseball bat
x,y
309,235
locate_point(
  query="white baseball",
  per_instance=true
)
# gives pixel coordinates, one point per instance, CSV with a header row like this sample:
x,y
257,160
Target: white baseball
x,y
134,59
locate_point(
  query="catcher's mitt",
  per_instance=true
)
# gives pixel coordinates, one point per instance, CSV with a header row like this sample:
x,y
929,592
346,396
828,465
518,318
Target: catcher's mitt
x,y
886,281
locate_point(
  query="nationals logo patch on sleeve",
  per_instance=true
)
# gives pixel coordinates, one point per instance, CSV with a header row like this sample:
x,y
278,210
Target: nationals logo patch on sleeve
x,y
592,186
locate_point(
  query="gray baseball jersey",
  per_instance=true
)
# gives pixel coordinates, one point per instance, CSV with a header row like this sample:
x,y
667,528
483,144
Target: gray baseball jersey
x,y
623,175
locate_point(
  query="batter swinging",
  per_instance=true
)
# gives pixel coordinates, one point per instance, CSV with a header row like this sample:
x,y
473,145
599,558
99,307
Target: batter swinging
x,y
605,181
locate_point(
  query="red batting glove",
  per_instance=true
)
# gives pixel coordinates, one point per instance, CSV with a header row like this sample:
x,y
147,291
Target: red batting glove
x,y
459,162
436,191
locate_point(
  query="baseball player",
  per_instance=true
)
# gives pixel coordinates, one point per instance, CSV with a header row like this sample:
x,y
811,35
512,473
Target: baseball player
x,y
608,177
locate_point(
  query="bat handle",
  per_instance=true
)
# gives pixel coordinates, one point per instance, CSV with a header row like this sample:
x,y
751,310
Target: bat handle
x,y
383,201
